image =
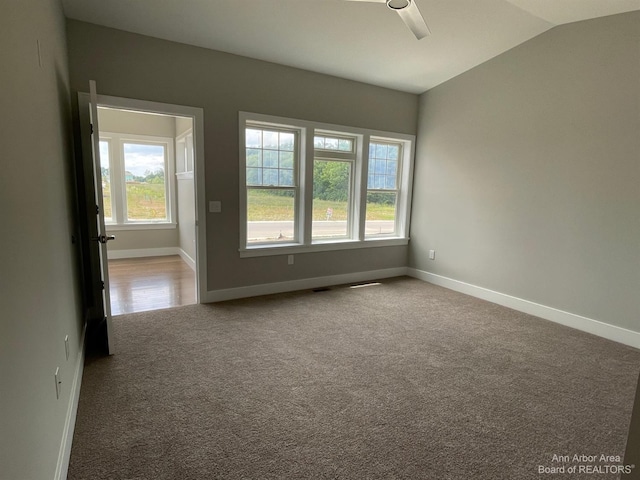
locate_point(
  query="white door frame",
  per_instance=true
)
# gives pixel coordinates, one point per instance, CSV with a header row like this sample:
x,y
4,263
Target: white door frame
x,y
197,116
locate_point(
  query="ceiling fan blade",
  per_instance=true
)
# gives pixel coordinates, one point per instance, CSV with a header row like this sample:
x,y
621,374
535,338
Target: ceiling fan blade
x,y
412,17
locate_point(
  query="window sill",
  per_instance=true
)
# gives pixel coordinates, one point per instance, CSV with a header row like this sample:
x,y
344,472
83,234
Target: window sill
x,y
140,226
286,249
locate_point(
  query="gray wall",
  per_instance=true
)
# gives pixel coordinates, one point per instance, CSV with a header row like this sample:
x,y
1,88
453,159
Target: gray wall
x,y
527,174
135,66
39,288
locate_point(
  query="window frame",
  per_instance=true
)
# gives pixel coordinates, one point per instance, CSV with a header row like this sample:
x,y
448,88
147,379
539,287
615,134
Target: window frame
x,y
119,218
307,154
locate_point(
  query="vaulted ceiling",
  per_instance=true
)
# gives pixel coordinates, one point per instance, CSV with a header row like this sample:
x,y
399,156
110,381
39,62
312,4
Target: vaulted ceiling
x,y
357,40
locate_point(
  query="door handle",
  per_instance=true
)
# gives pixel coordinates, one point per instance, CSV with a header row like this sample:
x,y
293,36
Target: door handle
x,y
104,238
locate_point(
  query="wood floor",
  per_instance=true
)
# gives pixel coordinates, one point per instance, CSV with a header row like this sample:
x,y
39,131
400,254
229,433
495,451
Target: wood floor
x,y
151,283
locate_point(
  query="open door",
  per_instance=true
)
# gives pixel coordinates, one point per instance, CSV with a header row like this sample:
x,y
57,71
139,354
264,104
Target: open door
x,y
100,324
102,238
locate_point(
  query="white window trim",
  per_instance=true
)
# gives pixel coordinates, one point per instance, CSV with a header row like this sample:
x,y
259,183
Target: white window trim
x,y
118,192
306,156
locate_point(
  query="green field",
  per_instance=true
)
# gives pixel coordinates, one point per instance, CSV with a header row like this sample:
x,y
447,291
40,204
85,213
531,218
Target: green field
x,y
145,201
261,206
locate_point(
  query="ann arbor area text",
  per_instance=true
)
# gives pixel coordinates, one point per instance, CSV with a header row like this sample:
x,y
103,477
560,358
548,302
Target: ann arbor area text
x,y
582,458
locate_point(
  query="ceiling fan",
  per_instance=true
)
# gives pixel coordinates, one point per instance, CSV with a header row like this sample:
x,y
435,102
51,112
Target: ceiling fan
x,y
409,13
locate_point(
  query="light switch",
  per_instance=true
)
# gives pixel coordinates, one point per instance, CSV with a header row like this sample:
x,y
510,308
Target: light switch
x,y
215,206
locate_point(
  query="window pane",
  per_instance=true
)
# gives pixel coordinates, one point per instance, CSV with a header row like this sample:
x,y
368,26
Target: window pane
x,y
270,176
254,157
285,178
270,140
264,165
390,182
145,181
393,152
287,141
383,166
270,215
105,170
254,138
181,156
381,151
333,143
381,213
345,145
254,176
190,156
270,159
331,192
392,167
286,160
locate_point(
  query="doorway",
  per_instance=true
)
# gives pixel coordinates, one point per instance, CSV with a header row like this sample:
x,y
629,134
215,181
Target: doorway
x,y
93,232
148,196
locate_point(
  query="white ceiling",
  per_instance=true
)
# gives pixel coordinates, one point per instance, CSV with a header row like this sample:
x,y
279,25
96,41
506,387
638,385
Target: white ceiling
x,y
355,40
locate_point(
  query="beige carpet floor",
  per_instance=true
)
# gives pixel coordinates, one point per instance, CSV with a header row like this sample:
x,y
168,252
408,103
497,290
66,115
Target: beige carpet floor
x,y
398,380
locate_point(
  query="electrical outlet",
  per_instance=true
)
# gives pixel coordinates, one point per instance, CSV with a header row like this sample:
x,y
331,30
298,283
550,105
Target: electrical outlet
x,y
432,254
290,260
58,380
66,346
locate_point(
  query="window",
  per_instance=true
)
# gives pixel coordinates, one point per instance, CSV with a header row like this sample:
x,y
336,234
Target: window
x,y
312,187
271,185
135,180
184,152
105,171
382,188
333,162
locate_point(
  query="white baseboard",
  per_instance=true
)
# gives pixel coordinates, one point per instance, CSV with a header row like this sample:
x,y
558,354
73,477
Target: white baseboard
x,y
152,252
304,284
589,325
187,259
70,422
142,252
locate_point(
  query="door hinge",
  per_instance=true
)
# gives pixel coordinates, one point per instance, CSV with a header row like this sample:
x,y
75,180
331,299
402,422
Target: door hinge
x,y
102,285
91,124
97,210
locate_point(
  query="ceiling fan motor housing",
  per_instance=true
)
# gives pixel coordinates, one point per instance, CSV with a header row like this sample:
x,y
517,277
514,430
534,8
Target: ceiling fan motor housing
x,y
398,4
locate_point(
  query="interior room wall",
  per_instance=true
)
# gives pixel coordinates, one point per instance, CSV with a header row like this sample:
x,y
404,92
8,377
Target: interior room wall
x,y
187,217
186,195
186,199
140,67
182,125
39,285
121,121
527,172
